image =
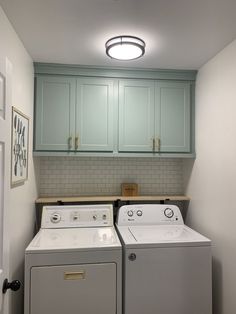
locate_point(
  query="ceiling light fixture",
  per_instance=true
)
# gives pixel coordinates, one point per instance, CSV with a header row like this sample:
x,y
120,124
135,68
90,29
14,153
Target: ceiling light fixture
x,y
125,47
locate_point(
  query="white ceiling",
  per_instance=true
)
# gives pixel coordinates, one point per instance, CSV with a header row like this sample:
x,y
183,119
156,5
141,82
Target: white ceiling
x,y
179,34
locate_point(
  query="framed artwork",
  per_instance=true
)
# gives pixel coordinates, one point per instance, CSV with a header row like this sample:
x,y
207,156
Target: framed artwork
x,y
19,147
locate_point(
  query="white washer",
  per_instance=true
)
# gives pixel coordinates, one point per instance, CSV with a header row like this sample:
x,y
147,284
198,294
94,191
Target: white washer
x,y
74,264
167,266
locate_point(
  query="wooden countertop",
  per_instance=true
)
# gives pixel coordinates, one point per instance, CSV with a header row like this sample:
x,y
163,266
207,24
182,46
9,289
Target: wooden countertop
x,y
113,198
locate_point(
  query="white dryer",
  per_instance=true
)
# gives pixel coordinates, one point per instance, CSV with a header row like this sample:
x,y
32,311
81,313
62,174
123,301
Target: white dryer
x,y
74,263
167,266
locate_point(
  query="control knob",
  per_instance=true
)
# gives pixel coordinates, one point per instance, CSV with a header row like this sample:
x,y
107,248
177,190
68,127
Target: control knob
x,y
94,217
139,213
168,212
55,218
75,218
130,213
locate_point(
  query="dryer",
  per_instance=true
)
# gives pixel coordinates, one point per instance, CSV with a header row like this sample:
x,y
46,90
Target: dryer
x,y
74,263
167,265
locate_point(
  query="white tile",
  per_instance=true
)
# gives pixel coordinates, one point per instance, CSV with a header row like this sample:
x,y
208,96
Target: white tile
x,y
71,176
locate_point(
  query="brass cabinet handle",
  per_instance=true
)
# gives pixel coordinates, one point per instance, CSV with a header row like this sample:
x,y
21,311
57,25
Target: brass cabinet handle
x,y
76,142
70,142
153,144
158,143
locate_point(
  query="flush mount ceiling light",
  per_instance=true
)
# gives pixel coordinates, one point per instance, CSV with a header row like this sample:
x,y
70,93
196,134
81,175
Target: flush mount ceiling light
x,y
125,48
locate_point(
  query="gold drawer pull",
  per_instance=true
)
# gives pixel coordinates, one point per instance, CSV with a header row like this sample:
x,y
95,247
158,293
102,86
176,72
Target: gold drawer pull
x,y
74,275
70,142
76,142
158,143
153,144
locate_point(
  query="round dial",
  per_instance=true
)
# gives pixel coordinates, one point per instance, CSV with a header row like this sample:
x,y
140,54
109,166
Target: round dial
x,y
55,217
139,213
130,213
168,212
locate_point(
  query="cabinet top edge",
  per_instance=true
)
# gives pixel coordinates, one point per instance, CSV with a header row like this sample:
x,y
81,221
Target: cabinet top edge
x,y
113,72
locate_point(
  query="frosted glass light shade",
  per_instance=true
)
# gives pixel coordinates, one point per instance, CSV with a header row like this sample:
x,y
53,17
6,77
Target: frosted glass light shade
x,y
125,47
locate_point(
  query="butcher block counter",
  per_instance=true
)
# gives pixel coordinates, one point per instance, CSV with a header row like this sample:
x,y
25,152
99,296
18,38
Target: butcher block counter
x,y
114,198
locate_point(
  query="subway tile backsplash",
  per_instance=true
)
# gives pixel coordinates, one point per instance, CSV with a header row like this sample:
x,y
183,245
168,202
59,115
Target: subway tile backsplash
x,y
78,176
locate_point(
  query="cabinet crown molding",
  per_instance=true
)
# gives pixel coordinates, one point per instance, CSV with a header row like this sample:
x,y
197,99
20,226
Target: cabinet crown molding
x,y
114,72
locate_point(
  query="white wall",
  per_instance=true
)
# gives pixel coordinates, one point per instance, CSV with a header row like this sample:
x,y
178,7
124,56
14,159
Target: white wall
x,y
211,179
21,207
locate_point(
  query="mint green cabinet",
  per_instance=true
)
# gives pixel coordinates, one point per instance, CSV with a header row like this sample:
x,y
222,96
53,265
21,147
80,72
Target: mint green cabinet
x,y
154,116
54,112
94,115
172,116
73,114
136,112
117,116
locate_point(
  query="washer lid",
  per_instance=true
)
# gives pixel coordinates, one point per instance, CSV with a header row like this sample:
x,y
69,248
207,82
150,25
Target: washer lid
x,y
170,235
61,240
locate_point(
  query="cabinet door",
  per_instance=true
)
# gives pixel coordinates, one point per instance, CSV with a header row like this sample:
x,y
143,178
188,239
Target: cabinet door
x,y
172,116
94,115
55,107
136,116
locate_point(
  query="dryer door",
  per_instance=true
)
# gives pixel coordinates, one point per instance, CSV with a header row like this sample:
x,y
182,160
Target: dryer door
x,y
73,289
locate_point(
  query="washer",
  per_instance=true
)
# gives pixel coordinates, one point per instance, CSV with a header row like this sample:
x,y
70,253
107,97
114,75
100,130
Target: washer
x,y
74,263
167,266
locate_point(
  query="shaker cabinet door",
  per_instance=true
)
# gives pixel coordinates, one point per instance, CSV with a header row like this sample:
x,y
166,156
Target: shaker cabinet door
x,y
136,116
172,117
54,113
94,115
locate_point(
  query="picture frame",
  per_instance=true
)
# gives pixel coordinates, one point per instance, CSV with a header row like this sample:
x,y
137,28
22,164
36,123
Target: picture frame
x,y
19,147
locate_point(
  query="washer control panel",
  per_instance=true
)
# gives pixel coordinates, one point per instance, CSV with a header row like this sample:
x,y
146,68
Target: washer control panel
x,y
77,216
149,214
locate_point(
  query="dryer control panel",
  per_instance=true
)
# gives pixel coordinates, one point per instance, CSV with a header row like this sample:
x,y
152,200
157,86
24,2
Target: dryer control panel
x,y
77,216
149,214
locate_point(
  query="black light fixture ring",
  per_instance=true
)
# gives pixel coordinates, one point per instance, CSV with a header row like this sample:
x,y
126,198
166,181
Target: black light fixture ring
x,y
140,45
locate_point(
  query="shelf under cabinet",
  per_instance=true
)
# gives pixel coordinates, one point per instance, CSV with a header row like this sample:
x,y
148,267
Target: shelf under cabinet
x,y
114,198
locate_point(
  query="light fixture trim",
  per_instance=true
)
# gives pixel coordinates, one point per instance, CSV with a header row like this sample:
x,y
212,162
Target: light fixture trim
x,y
124,42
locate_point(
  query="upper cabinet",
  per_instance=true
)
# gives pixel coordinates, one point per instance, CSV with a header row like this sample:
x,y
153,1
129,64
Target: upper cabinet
x,y
136,115
94,115
73,114
172,117
154,116
114,112
54,113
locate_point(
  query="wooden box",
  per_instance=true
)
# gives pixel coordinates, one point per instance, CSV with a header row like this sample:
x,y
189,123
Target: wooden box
x,y
129,189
